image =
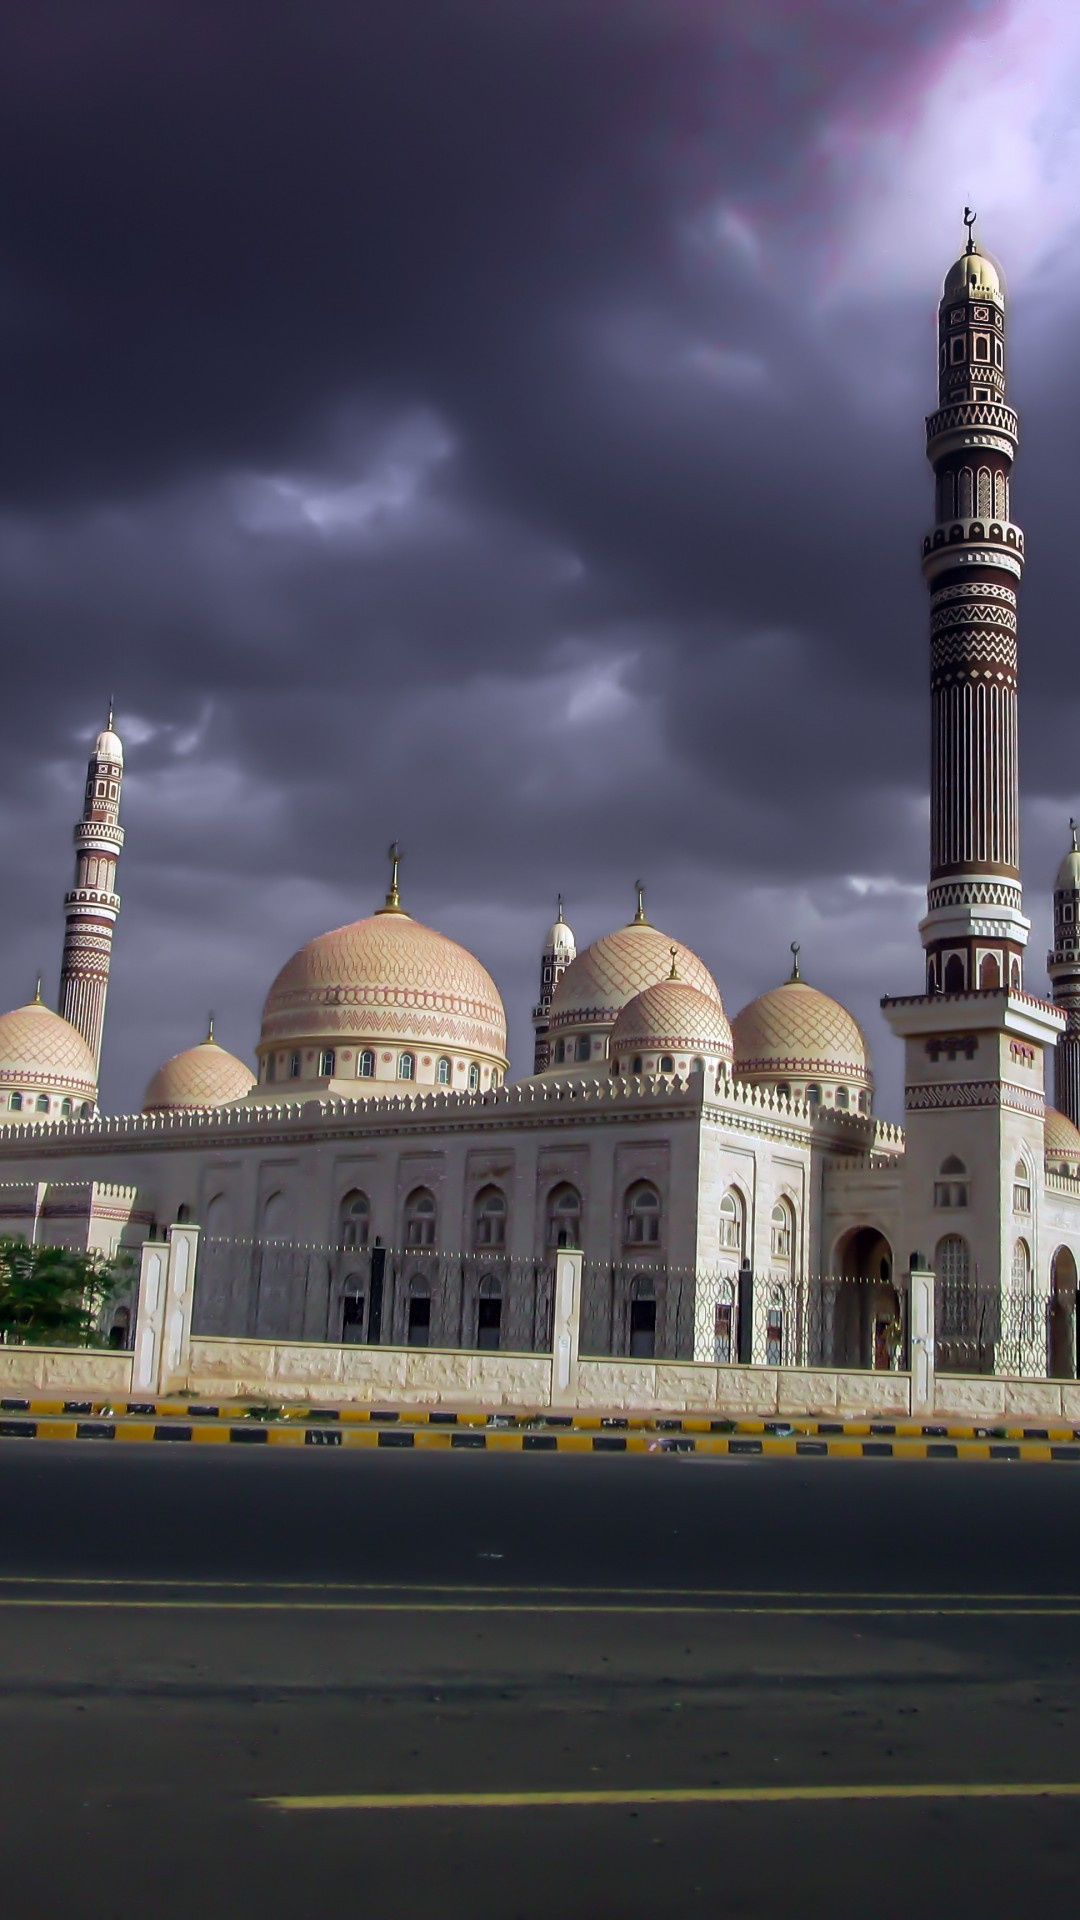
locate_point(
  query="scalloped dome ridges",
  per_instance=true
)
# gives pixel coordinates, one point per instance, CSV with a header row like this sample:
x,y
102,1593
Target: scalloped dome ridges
x,y
386,978
597,985
40,1051
795,1029
672,1017
202,1076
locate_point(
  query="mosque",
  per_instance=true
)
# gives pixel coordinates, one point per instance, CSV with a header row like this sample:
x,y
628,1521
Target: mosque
x,y
654,1132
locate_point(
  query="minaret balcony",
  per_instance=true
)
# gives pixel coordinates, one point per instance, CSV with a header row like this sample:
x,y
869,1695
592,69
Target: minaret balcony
x,y
973,543
964,423
98,835
92,897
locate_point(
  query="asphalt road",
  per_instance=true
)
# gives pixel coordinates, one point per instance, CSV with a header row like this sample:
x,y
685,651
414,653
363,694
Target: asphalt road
x,y
201,1649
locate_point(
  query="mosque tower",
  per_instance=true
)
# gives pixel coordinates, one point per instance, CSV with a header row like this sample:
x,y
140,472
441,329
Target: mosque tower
x,y
559,950
975,1043
1063,966
92,905
974,932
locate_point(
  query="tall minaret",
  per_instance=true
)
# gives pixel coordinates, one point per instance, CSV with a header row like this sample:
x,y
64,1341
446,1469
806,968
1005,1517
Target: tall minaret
x,y
559,950
92,905
1063,966
974,932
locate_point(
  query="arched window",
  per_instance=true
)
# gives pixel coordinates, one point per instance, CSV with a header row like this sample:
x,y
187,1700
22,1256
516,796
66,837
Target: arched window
x,y
782,1232
420,1218
583,1047
274,1217
641,1221
955,978
406,1066
783,1090
474,1077
989,971
951,1185
354,1219
489,1312
489,1218
86,1111
1021,1264
269,1067
733,1222
1021,1189
863,1106
813,1096
42,1103
774,1332
365,1064
183,1214
1001,484
953,1260
667,1063
560,1050
418,1332
635,1064
294,1066
964,494
326,1063
65,1109
986,496
443,1072
697,1064
841,1096
496,1077
563,1217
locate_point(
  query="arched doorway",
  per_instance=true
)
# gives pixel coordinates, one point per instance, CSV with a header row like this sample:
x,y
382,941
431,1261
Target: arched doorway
x,y
867,1310
1061,1327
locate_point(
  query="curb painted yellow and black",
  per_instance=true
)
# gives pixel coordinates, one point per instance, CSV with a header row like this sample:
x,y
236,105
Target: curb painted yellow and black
x,y
294,1433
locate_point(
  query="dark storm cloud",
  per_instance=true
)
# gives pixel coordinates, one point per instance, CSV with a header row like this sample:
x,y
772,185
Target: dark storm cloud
x,y
423,415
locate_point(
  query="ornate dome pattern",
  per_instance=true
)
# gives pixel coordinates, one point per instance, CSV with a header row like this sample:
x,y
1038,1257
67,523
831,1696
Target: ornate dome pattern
x,y
202,1076
672,1017
598,984
386,977
797,1029
39,1050
1061,1139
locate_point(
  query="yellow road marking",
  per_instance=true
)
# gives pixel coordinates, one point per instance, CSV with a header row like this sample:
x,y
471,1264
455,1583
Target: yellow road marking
x,y
663,1796
528,1606
518,1587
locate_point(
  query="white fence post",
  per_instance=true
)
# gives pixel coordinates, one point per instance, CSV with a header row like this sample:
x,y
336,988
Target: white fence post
x,y
149,1317
566,1327
179,1297
921,1330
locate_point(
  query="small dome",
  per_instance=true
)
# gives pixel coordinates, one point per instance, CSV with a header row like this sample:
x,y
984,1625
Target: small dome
x,y
1068,874
796,1029
671,1017
976,275
108,747
597,985
386,978
202,1076
42,1053
560,938
1061,1140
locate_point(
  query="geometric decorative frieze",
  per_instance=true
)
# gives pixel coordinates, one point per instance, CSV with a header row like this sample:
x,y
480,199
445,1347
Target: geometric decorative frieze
x,y
972,590
975,1093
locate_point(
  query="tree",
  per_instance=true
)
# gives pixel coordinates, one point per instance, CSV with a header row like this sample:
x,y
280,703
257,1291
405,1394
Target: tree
x,y
52,1296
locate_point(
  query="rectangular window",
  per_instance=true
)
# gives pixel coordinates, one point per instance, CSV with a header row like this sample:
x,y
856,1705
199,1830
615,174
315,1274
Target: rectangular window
x,y
980,346
999,353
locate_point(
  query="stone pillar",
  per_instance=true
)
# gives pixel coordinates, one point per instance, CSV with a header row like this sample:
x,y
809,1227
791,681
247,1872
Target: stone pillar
x,y
163,1315
921,1336
566,1327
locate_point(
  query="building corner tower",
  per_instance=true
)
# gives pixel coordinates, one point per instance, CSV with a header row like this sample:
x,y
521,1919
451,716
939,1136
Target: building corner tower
x,y
559,951
1063,966
975,1042
92,905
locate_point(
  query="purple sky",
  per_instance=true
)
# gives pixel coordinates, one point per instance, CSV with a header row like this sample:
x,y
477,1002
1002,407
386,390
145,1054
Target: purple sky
x,y
498,424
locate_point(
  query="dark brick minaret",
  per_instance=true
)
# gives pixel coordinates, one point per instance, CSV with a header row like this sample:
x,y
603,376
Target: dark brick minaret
x,y
974,932
1063,966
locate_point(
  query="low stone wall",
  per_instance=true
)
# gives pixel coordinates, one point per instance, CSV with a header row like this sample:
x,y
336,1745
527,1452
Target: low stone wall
x,y
636,1386
997,1399
415,1376
77,1370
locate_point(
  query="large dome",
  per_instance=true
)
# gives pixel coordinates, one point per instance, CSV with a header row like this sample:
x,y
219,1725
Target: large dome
x,y
1061,1140
390,980
202,1076
671,1018
597,985
795,1030
44,1056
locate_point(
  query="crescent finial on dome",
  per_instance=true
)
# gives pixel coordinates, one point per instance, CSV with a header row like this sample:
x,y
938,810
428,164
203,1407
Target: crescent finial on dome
x,y
639,917
393,895
210,1041
674,974
37,990
795,951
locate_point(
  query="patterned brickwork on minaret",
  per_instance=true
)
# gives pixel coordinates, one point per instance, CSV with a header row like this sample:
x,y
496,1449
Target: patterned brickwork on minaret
x,y
1063,966
974,932
559,951
92,905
